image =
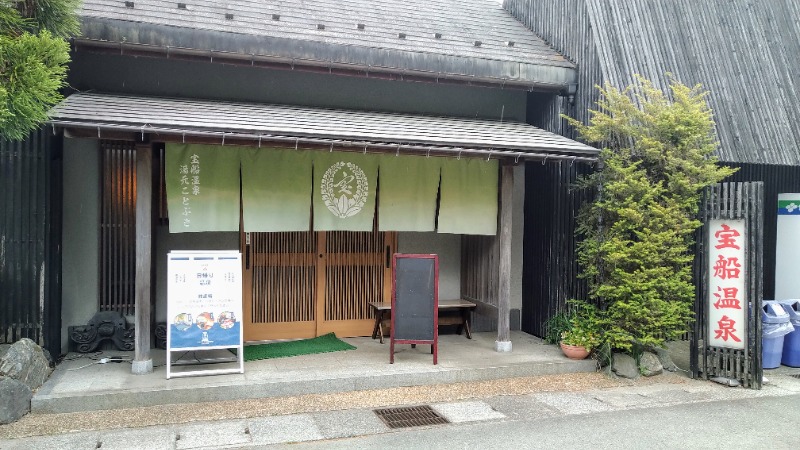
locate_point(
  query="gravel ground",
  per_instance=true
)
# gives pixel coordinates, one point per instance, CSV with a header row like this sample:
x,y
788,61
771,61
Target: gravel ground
x,y
46,424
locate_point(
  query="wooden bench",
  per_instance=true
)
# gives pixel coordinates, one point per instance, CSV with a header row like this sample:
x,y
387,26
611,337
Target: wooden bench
x,y
461,308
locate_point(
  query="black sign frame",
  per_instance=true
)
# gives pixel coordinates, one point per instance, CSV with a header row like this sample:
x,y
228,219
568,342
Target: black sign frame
x,y
419,327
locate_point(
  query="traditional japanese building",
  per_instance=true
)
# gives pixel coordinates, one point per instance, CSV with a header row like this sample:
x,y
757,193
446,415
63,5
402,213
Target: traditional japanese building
x,y
317,138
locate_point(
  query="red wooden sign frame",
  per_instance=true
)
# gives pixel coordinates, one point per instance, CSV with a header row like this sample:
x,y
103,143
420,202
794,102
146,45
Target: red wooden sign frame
x,y
434,343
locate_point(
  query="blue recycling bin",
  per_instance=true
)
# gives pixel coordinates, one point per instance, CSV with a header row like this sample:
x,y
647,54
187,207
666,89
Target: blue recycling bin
x,y
791,342
774,326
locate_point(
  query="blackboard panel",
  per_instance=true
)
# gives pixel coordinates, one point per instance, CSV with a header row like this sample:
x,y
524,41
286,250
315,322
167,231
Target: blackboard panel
x,y
414,329
414,307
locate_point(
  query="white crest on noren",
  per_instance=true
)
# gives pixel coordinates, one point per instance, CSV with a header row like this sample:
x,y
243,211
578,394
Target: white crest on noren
x,y
344,189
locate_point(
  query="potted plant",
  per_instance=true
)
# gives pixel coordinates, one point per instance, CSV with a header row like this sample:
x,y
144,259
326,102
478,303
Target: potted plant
x,y
576,344
583,334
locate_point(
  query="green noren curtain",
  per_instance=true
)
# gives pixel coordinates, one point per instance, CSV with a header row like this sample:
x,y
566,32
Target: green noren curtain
x,y
276,189
468,203
344,191
203,191
202,187
408,188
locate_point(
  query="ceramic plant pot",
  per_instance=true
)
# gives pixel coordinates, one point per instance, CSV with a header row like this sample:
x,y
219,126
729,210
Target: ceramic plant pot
x,y
574,351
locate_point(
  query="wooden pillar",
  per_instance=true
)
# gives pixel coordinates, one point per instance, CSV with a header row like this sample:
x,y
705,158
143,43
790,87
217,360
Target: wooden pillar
x,y
503,343
143,362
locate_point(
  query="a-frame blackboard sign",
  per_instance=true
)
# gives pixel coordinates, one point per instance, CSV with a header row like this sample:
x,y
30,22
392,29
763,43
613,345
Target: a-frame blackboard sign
x,y
415,302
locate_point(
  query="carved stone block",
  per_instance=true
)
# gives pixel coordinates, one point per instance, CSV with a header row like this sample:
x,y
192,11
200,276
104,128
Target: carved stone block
x,y
105,325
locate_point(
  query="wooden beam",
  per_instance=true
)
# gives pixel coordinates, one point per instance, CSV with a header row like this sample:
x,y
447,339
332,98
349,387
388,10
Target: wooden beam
x,y
143,362
89,133
503,343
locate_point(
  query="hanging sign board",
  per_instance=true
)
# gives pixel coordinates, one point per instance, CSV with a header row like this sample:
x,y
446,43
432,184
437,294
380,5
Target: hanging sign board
x,y
204,306
727,272
415,302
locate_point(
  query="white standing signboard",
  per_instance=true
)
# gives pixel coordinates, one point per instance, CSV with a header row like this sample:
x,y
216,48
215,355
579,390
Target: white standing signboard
x,y
204,306
787,247
727,272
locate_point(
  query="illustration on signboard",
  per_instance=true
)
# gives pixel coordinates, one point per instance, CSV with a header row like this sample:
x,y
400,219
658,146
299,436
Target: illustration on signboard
x,y
183,321
209,327
204,307
226,320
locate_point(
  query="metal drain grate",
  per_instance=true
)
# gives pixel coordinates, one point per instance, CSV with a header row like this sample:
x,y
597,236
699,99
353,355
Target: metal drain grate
x,y
797,375
410,416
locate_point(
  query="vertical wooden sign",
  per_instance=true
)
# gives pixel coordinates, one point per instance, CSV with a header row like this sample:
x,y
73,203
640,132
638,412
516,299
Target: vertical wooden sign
x,y
726,335
727,272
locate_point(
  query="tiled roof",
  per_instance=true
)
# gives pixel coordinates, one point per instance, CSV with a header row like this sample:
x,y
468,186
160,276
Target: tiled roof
x,y
290,124
444,38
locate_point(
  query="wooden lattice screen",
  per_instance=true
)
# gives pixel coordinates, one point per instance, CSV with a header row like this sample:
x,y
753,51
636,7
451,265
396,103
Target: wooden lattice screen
x,y
742,201
30,192
354,273
118,228
283,276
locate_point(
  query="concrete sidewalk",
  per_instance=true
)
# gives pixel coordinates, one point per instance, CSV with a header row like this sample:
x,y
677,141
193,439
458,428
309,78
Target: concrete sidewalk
x,y
84,385
334,395
577,397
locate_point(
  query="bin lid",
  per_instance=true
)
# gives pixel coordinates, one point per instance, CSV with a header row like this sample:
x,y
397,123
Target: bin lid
x,y
792,307
773,312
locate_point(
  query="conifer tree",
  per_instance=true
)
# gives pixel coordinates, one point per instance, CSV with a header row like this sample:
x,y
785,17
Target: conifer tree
x,y
34,55
637,236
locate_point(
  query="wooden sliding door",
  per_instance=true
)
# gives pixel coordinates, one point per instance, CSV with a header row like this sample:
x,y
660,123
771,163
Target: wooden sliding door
x,y
356,269
305,284
279,285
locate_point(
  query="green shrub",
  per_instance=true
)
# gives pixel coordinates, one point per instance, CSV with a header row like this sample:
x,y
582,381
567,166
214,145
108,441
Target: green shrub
x,y
636,239
34,54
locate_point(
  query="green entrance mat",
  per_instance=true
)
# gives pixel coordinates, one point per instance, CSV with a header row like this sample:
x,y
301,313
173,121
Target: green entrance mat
x,y
321,344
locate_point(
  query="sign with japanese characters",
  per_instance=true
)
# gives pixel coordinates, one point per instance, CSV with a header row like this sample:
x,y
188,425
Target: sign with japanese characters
x,y
344,191
204,300
202,184
727,296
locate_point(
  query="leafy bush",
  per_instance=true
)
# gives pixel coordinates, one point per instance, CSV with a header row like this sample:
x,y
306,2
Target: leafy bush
x,y
34,55
636,238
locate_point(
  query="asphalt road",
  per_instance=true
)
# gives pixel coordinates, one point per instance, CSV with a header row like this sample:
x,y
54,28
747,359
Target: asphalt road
x,y
755,423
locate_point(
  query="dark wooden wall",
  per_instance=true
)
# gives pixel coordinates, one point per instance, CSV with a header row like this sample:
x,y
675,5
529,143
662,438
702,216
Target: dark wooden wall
x,y
30,239
480,279
549,265
479,268
565,25
742,52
